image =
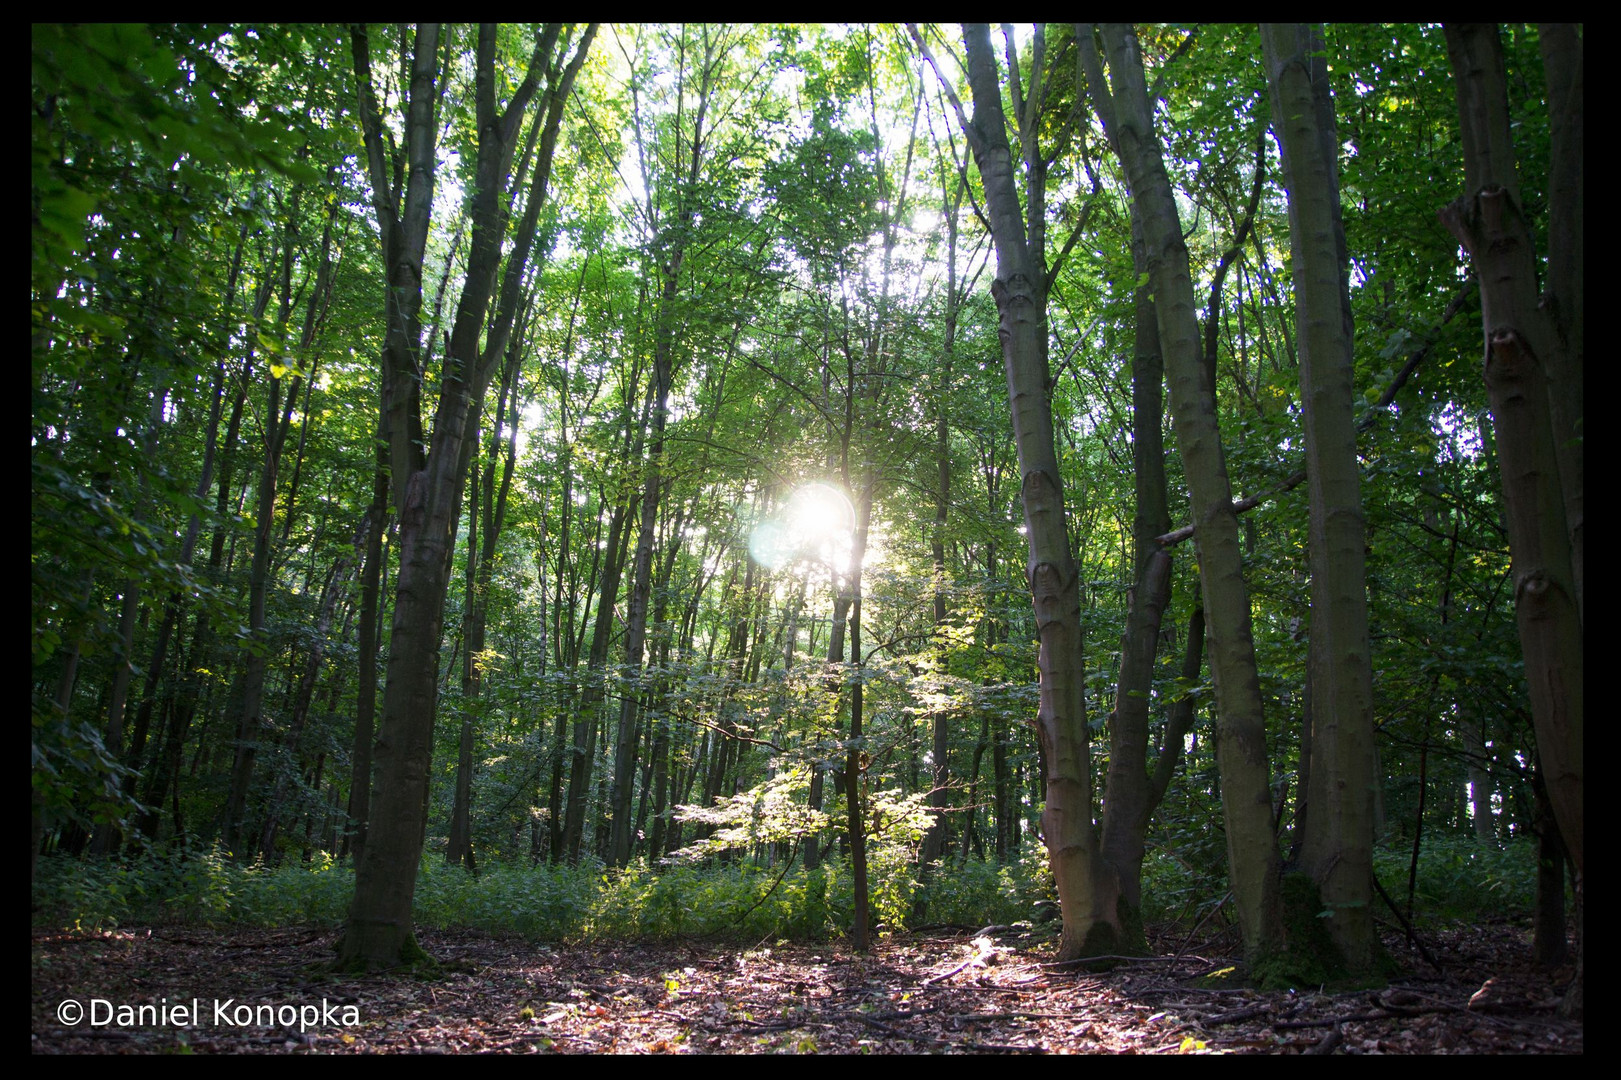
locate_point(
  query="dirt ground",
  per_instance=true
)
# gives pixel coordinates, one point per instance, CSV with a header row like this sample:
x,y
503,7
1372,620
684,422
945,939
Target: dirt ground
x,y
952,990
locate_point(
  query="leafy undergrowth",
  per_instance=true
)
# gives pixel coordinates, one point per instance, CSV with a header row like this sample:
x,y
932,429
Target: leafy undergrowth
x,y
540,902
1457,879
963,992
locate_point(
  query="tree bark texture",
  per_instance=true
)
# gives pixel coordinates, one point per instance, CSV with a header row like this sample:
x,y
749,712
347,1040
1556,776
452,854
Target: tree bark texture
x,y
1241,726
1088,889
1337,847
1490,223
379,932
1562,293
1129,798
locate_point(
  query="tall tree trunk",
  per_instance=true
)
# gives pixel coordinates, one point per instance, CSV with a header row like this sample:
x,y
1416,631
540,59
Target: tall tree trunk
x,y
379,931
1562,293
591,695
1088,889
1533,352
1548,945
1490,223
642,581
660,751
486,517
1337,847
856,757
935,841
1128,801
188,546
250,722
1246,789
1480,783
337,584
366,652
670,242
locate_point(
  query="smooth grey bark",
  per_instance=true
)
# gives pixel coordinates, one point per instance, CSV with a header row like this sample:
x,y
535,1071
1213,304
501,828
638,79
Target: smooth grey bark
x,y
1489,222
1088,888
1126,806
1246,800
1563,290
1337,847
1129,800
1529,366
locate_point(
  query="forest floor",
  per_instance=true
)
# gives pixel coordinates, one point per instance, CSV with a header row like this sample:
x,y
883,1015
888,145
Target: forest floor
x,y
943,991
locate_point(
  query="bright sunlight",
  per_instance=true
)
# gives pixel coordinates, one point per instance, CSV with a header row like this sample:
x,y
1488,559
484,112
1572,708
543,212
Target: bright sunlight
x,y
817,525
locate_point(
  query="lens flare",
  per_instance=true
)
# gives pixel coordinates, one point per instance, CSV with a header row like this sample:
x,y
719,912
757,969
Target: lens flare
x,y
816,525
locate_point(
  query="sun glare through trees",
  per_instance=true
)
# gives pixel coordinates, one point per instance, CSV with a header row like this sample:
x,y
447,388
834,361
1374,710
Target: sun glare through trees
x,y
1114,486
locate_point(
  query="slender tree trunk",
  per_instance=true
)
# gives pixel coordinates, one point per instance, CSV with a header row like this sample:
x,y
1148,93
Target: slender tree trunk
x,y
854,770
590,698
251,724
1337,849
1548,945
379,931
366,692
1129,799
1246,784
1480,784
1532,370
936,840
1562,294
1088,889
1489,222
486,518
641,590
336,585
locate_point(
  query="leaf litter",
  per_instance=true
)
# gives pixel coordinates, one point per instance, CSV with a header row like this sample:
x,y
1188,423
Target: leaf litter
x,y
994,991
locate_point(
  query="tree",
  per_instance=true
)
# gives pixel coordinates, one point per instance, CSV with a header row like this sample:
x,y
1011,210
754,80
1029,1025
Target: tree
x,y
674,203
1523,348
1088,889
1124,107
1337,849
612,379
429,477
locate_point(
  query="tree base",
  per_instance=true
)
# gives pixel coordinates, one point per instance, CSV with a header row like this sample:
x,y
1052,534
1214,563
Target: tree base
x,y
1105,939
382,948
1309,956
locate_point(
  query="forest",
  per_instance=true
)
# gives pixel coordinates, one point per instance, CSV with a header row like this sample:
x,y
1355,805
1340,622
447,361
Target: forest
x,y
806,538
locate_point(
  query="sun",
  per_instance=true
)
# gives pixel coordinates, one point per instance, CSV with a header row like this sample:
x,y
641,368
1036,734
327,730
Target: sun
x,y
816,525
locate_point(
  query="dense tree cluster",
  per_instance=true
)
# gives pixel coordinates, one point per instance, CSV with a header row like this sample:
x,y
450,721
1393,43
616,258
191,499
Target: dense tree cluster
x,y
577,442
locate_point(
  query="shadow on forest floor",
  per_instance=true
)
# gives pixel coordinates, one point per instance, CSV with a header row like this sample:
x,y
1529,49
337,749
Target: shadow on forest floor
x,y
947,992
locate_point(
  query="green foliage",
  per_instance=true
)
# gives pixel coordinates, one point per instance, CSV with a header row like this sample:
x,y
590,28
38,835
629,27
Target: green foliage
x,y
741,899
1459,878
773,813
